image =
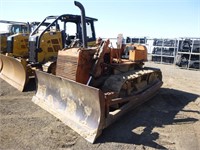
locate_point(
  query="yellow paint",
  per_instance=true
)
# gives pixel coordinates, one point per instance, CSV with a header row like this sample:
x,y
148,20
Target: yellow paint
x,y
47,43
20,45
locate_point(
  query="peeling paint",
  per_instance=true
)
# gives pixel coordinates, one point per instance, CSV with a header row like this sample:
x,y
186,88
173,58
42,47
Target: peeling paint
x,y
71,106
50,100
80,101
41,90
88,110
63,93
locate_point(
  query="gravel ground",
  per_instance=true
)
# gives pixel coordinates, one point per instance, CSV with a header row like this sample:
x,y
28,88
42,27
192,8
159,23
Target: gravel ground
x,y
168,121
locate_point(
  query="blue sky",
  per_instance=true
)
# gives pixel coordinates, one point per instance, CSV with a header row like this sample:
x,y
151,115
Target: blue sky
x,y
135,18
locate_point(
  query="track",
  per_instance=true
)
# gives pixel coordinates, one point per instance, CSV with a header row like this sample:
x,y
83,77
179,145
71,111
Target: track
x,y
132,80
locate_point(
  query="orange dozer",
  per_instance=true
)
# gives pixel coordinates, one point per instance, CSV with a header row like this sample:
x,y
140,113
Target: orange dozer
x,y
94,86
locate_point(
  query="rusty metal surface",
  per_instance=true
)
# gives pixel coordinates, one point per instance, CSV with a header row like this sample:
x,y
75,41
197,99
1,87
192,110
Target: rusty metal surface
x,y
13,72
79,106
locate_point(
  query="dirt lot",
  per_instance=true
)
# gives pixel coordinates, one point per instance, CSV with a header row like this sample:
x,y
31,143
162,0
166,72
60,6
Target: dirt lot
x,y
171,120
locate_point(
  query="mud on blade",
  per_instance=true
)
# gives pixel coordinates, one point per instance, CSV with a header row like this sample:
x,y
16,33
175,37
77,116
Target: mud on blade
x,y
79,106
13,72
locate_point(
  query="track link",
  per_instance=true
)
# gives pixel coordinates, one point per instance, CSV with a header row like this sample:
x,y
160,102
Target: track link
x,y
132,82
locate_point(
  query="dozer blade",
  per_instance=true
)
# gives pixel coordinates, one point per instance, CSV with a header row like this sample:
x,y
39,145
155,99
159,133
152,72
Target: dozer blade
x,y
80,107
13,72
1,63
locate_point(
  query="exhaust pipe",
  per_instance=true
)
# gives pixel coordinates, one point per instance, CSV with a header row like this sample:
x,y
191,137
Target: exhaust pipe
x,y
83,22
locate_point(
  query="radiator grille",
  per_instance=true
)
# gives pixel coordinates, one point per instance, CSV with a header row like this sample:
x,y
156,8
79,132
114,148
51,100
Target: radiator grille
x,y
54,41
67,66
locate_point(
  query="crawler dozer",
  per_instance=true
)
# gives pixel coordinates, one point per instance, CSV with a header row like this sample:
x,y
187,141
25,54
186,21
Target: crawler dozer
x,y
93,87
44,44
19,30
14,27
13,59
